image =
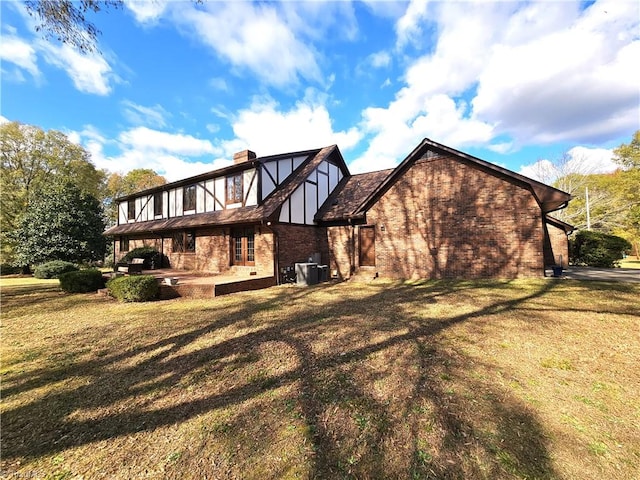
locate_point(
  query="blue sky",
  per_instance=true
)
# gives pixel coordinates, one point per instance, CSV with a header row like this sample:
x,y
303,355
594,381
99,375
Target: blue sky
x,y
179,87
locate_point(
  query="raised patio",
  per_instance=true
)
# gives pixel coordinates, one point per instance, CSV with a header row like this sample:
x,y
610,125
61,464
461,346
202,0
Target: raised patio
x,y
195,284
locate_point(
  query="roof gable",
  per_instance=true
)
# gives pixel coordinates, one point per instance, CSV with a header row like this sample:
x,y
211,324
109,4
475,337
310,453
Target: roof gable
x,y
549,198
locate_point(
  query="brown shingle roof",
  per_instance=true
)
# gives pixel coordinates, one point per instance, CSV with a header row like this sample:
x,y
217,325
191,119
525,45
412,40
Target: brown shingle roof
x,y
220,217
349,195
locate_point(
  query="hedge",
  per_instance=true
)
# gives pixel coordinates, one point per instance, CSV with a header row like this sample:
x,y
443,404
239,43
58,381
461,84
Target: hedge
x,y
82,281
54,269
134,288
595,249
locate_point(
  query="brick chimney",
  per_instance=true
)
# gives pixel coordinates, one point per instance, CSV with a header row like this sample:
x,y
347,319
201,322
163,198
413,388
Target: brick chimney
x,y
243,156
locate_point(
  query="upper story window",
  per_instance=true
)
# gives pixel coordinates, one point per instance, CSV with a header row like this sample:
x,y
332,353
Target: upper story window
x,y
131,210
189,198
157,204
234,188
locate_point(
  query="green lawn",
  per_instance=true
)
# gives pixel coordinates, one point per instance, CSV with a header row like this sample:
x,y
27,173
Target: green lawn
x,y
630,262
523,379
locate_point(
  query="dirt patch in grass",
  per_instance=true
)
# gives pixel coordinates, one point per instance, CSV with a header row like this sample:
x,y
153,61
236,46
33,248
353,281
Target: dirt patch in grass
x,y
525,379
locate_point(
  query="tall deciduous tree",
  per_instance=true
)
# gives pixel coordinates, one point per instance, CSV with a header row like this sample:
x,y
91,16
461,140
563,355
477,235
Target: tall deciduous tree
x,y
61,223
68,21
628,154
614,198
134,181
31,159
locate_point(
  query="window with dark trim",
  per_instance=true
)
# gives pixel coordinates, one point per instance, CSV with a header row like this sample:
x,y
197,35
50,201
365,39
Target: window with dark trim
x,y
243,247
189,198
124,244
131,209
184,242
157,204
234,188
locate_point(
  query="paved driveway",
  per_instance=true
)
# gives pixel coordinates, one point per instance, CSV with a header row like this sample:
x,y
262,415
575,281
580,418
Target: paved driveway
x,y
602,274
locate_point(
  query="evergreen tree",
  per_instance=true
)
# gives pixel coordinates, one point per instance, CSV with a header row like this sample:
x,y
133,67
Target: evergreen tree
x,y
61,223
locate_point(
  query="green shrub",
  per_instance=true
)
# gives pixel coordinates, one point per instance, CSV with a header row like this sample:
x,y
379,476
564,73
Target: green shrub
x,y
82,281
150,255
54,269
595,249
135,288
8,269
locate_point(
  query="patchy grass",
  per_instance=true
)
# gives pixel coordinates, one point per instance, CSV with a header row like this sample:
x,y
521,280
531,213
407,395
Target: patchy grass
x,y
525,379
630,262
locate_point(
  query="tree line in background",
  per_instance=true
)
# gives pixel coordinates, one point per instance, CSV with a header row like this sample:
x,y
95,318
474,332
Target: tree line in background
x,y
54,202
607,203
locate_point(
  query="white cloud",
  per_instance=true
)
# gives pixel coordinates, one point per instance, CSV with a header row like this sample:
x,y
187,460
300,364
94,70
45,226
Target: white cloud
x,y
579,159
251,37
398,129
140,115
380,59
408,27
173,155
266,129
577,82
17,51
89,72
147,11
551,72
146,139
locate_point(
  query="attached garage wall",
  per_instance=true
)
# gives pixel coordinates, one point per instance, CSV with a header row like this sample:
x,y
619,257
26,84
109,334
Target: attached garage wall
x,y
444,218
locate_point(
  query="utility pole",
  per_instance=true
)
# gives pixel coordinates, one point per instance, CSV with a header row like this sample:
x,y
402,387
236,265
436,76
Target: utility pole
x,y
586,194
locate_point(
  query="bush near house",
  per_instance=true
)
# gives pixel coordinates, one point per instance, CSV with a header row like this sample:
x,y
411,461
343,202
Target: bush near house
x,y
139,288
83,281
595,249
54,269
150,255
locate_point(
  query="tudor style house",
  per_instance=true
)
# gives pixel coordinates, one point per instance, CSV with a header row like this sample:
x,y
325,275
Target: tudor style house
x,y
440,213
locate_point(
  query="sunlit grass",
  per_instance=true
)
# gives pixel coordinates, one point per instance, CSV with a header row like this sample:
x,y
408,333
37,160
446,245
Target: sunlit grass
x,y
521,379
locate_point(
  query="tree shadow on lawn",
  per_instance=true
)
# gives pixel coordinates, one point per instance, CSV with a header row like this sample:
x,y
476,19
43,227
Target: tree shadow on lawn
x,y
379,392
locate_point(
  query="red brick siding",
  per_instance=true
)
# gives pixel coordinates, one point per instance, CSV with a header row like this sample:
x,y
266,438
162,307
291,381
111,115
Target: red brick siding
x,y
297,243
446,219
213,251
342,249
556,246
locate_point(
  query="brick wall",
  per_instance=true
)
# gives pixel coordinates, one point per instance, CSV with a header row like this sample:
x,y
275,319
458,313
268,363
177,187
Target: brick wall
x,y
296,243
342,242
213,250
556,251
446,219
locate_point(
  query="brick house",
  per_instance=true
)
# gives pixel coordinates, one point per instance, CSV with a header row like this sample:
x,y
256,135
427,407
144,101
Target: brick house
x,y
439,214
